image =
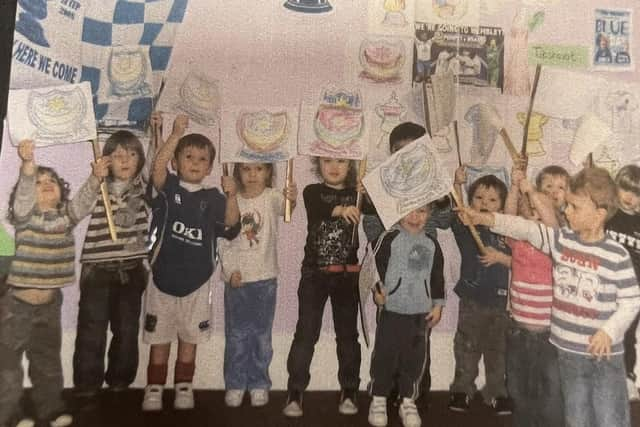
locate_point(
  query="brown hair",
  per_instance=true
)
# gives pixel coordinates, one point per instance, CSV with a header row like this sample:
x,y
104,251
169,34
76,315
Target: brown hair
x,y
628,179
196,140
128,141
352,174
598,185
269,166
552,170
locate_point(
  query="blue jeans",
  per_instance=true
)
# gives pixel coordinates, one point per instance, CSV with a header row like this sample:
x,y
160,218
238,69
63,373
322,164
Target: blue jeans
x,y
595,392
533,380
248,314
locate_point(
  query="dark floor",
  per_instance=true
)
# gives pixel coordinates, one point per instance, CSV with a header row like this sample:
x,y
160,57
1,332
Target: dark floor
x,y
123,409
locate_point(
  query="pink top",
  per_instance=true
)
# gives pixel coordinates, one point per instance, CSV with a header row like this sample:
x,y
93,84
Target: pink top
x,y
531,292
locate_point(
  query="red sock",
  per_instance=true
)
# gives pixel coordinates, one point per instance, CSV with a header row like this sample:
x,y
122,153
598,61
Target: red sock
x,y
184,372
157,374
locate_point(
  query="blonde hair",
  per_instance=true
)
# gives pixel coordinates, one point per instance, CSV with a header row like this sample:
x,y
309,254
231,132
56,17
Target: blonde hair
x,y
598,185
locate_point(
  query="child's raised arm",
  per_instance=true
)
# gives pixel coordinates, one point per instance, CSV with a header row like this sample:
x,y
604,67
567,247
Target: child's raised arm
x,y
24,196
513,196
232,210
541,203
84,200
166,151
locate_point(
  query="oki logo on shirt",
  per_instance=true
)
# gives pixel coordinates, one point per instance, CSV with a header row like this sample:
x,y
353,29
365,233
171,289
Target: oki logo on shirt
x,y
190,235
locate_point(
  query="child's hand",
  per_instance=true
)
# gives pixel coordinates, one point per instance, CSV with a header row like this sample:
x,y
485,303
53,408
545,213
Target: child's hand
x,y
520,163
360,188
600,345
180,125
25,150
491,256
380,298
460,176
433,318
155,123
526,187
290,192
229,185
350,213
236,280
517,175
100,168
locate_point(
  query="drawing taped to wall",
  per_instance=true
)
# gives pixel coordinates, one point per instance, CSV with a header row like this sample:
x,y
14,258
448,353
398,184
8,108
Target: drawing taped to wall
x,y
196,95
456,12
391,17
612,40
52,115
535,133
383,60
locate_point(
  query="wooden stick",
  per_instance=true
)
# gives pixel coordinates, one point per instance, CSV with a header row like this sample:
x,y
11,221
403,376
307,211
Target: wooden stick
x,y
472,228
362,167
105,195
287,202
425,101
525,134
510,147
455,134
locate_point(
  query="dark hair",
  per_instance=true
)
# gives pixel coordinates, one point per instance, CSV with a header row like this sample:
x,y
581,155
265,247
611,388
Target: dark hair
x,y
352,174
628,179
553,170
198,141
128,141
406,131
41,170
599,186
489,181
269,166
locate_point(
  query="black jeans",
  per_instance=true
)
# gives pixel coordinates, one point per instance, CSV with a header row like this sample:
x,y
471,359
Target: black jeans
x,y
314,290
630,348
108,297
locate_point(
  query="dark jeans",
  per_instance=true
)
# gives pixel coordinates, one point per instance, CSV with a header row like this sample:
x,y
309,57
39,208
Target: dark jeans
x,y
630,349
108,297
481,332
398,355
314,290
533,379
35,331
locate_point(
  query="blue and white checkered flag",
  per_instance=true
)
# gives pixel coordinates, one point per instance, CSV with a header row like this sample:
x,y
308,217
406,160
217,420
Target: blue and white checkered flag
x,y
126,47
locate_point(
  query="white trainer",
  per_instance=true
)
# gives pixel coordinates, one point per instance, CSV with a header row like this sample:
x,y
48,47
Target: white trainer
x,y
632,389
293,407
62,420
26,422
152,398
233,398
378,411
259,397
409,413
184,396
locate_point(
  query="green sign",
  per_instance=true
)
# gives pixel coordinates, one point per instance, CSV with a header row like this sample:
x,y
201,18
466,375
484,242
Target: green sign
x,y
559,55
7,247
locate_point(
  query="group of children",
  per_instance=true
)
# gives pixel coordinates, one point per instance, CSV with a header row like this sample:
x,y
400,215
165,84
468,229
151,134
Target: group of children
x,y
546,308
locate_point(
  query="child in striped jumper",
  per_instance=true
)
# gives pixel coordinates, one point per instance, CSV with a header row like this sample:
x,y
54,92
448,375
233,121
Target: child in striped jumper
x,y
595,298
113,275
43,218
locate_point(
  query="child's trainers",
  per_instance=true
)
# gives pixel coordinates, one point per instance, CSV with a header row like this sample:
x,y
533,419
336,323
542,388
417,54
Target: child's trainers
x,y
293,407
259,397
348,402
152,398
459,402
233,398
184,396
409,413
501,405
26,422
378,411
632,390
62,420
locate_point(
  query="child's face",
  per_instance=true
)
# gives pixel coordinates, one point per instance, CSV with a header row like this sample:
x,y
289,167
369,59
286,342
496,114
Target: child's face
x,y
415,220
192,164
124,163
334,171
628,201
254,177
399,145
47,192
486,199
554,186
582,213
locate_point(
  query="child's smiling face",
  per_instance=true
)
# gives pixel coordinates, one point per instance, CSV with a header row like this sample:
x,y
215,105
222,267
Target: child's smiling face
x,y
486,199
48,192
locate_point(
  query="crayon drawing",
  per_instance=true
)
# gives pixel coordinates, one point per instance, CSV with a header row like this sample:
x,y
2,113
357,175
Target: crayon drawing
x,y
196,95
456,12
391,17
128,73
383,61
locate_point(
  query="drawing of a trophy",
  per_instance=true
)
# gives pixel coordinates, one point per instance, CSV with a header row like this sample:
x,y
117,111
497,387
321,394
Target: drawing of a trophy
x,y
394,13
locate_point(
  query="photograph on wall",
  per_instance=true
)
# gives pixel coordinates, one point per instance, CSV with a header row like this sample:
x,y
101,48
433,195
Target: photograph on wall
x,y
612,37
475,55
391,17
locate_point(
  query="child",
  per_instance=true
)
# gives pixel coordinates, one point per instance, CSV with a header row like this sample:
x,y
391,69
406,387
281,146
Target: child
x,y
187,219
113,275
329,270
482,315
250,269
595,298
624,228
532,361
44,219
553,181
410,263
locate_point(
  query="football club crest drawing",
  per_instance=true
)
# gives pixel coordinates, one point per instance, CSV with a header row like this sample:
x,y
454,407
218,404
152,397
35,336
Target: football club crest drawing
x,y
457,12
52,115
129,72
199,99
382,60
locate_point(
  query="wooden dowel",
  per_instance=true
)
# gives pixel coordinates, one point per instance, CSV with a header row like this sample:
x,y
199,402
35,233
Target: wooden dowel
x,y
457,137
287,202
362,168
105,195
425,101
472,228
510,147
525,133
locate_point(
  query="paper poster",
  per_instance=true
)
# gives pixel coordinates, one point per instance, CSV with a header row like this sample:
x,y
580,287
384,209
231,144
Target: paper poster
x,y
334,125
46,43
612,47
410,178
196,95
379,61
576,90
450,12
391,17
258,134
475,55
562,56
52,115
